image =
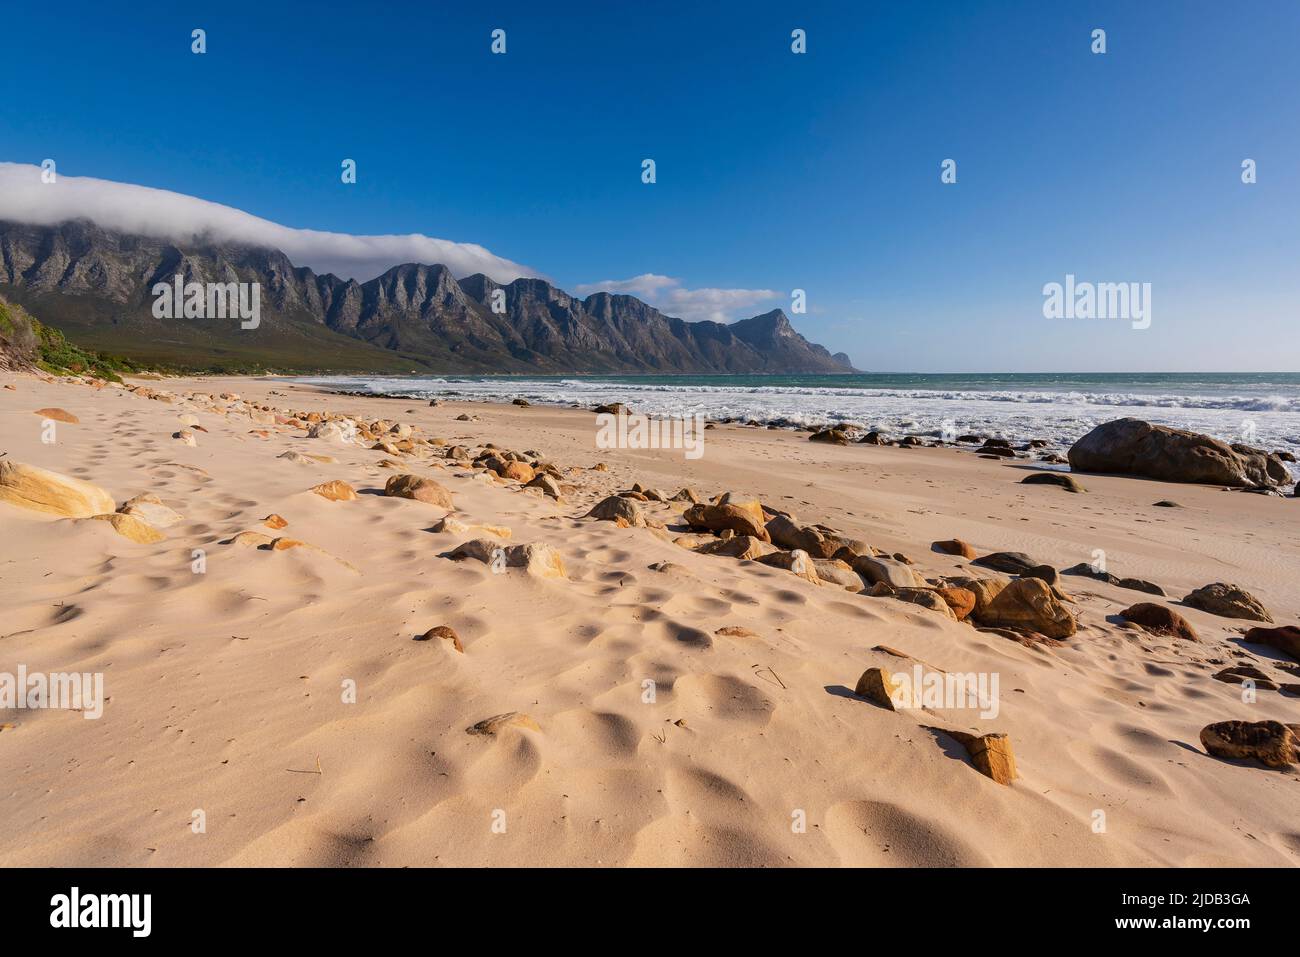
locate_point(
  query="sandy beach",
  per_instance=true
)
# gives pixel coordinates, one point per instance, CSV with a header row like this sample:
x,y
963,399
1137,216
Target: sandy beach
x,y
671,707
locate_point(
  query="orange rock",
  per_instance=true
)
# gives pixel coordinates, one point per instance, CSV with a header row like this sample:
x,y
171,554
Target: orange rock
x,y
990,753
274,521
445,633
335,491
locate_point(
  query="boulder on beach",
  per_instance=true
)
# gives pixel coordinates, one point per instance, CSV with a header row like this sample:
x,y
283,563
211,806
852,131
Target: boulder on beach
x,y
955,546
335,491
1059,479
1271,743
738,546
128,526
616,508
1134,447
1136,584
419,489
888,570
150,508
801,563
744,518
833,436
878,686
27,486
1029,604
1285,639
1160,620
1228,601
58,415
1013,563
991,754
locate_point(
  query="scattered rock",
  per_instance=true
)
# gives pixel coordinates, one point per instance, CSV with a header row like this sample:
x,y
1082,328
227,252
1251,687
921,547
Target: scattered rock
x,y
251,540
878,686
335,491
960,600
1228,601
1060,479
1135,584
1166,503
1271,743
616,508
27,486
833,436
522,403
954,546
991,754
744,518
550,488
799,562
1285,639
1028,604
443,633
1241,673
1013,563
275,521
419,489
128,526
1160,620
149,508
511,719
744,547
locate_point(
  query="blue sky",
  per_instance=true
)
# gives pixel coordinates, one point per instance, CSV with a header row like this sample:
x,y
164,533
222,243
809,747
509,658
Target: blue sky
x,y
775,171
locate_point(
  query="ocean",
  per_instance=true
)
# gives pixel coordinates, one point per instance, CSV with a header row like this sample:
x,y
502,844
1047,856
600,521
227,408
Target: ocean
x,y
1261,409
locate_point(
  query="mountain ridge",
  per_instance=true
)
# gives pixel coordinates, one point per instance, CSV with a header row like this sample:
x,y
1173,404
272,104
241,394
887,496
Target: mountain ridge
x,y
96,284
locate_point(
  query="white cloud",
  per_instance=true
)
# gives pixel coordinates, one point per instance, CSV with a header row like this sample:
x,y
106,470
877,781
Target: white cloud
x,y
25,198
668,295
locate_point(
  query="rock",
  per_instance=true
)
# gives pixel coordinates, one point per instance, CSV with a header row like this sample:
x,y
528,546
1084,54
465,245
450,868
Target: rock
x,y
833,436
275,521
419,489
1134,447
58,415
1013,563
925,597
1060,479
616,508
835,572
1135,584
498,722
888,570
452,526
548,485
1228,601
251,540
1271,743
784,532
744,518
128,526
149,508
342,431
1285,639
185,437
540,561
960,600
463,417
1166,503
745,547
519,471
954,546
687,495
443,633
996,452
990,753
873,438
27,486
801,563
1044,573
1239,674
984,590
522,403
735,631
613,408
877,685
335,491
1028,603
1160,620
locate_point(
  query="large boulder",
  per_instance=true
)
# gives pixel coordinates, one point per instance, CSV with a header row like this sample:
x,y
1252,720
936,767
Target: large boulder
x,y
1285,639
419,489
624,511
30,487
1028,604
1228,601
1134,447
887,570
1159,620
1271,743
744,518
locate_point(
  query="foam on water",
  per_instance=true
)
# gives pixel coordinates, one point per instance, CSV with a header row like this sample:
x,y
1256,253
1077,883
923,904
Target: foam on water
x,y
1262,410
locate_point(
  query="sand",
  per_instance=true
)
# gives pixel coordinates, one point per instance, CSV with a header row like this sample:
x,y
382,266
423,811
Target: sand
x,y
228,690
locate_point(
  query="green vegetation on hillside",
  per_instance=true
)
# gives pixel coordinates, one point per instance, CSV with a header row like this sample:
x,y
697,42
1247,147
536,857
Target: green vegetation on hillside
x,y
27,340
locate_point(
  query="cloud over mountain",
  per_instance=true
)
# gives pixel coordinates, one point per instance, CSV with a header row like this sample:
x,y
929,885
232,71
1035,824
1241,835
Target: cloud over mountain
x,y
161,213
670,296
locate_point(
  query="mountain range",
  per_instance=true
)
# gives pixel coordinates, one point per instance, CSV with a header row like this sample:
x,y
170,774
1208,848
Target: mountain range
x,y
96,285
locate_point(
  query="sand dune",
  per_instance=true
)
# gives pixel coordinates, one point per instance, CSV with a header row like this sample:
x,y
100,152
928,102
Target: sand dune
x,y
650,738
